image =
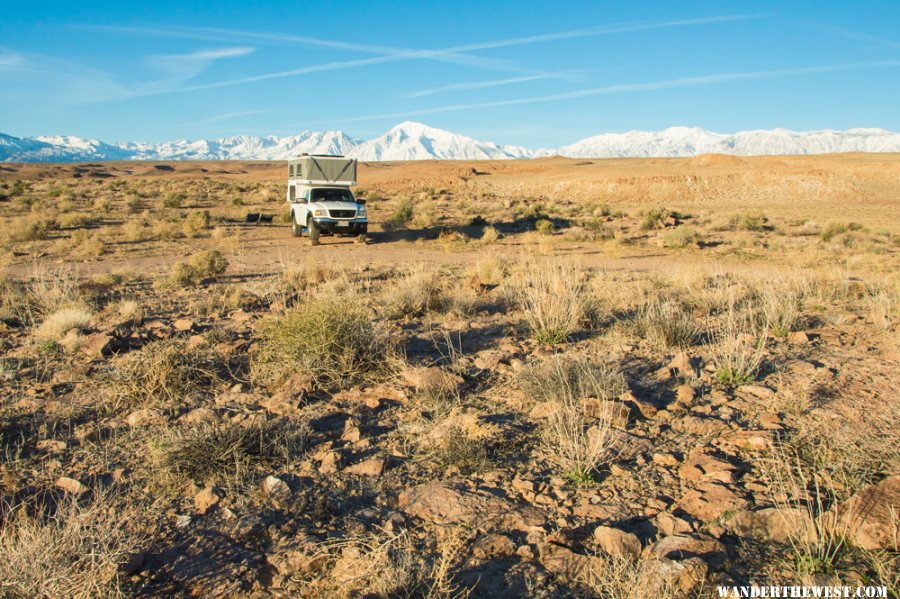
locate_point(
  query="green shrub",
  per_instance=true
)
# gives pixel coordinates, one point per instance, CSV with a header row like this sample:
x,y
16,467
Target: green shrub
x,y
196,223
655,218
402,216
331,338
174,200
202,265
680,237
754,221
544,227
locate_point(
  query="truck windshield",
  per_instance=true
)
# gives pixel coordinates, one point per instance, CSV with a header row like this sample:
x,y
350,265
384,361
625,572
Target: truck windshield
x,y
332,195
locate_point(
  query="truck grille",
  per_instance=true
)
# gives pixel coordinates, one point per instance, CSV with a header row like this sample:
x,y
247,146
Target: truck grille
x,y
342,213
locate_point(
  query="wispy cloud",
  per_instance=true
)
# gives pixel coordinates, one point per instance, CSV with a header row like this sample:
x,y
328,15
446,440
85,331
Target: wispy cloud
x,y
858,35
477,85
639,87
187,66
232,35
228,116
455,50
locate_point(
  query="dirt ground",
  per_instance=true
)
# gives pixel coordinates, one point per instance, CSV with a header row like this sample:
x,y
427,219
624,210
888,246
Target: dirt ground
x,y
544,378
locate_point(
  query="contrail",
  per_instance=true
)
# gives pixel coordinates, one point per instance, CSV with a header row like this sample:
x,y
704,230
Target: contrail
x,y
637,87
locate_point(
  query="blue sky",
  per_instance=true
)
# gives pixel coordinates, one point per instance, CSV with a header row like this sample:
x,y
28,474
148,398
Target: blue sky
x,y
529,73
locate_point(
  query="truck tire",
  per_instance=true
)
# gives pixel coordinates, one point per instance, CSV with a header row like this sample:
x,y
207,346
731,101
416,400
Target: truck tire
x,y
313,231
296,229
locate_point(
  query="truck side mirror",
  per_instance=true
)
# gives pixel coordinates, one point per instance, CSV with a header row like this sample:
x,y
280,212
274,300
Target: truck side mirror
x,y
361,201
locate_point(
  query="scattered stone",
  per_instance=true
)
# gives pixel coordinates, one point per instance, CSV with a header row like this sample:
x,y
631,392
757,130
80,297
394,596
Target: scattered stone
x,y
871,515
798,337
771,422
665,459
757,391
371,467
51,445
183,520
710,501
443,503
750,440
72,486
615,412
668,524
198,415
680,576
183,324
781,525
145,417
97,345
702,466
207,499
332,461
617,542
564,562
276,488
681,547
606,512
684,395
492,546
646,409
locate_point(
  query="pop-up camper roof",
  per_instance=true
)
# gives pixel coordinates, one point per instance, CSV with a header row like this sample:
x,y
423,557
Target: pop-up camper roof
x,y
322,170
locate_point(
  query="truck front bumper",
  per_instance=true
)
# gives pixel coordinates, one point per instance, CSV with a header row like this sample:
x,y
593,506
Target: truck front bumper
x,y
331,226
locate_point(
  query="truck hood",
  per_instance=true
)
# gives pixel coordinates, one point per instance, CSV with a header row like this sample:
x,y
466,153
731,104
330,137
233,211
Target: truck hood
x,y
336,205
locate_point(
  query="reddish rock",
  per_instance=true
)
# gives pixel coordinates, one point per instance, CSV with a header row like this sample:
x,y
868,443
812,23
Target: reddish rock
x,y
443,503
710,501
617,542
774,524
371,467
206,499
72,486
871,516
702,466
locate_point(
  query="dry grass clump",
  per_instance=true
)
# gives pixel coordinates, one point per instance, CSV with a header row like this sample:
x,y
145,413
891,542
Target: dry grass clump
x,y
576,444
623,577
86,245
54,326
402,216
77,552
230,452
196,223
820,540
202,265
164,372
738,350
31,228
680,237
552,295
665,323
331,338
413,294
570,379
490,235
779,305
380,564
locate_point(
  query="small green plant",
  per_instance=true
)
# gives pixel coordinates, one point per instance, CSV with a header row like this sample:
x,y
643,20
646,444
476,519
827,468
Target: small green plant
x,y
402,216
656,218
174,200
331,337
739,349
202,265
753,221
544,226
680,237
196,223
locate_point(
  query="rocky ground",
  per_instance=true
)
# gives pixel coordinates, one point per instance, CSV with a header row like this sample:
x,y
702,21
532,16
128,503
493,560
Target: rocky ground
x,y
523,412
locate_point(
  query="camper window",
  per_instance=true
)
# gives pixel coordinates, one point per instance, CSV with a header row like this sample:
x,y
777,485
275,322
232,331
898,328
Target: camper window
x,y
293,193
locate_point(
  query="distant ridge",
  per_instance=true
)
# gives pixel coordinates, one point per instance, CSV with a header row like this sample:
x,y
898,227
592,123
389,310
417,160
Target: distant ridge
x,y
415,141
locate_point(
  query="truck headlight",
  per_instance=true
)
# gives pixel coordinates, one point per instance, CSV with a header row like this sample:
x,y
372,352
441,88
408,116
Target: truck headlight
x,y
360,213
320,212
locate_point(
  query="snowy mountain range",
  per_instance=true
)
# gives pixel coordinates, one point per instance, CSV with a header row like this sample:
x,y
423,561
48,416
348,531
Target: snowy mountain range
x,y
415,141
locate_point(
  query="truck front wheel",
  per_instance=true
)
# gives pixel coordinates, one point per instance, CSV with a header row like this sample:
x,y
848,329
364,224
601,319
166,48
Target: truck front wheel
x,y
296,229
312,228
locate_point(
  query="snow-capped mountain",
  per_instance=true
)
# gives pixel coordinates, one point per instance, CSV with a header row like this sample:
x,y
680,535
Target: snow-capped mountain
x,y
690,141
415,141
244,147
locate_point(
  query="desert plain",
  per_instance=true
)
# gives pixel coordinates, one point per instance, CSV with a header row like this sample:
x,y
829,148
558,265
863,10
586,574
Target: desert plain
x,y
538,378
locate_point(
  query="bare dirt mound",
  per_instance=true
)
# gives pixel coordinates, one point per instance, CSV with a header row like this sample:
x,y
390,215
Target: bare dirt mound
x,y
718,160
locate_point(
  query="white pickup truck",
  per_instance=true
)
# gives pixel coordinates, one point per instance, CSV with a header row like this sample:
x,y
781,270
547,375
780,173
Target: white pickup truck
x,y
321,200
